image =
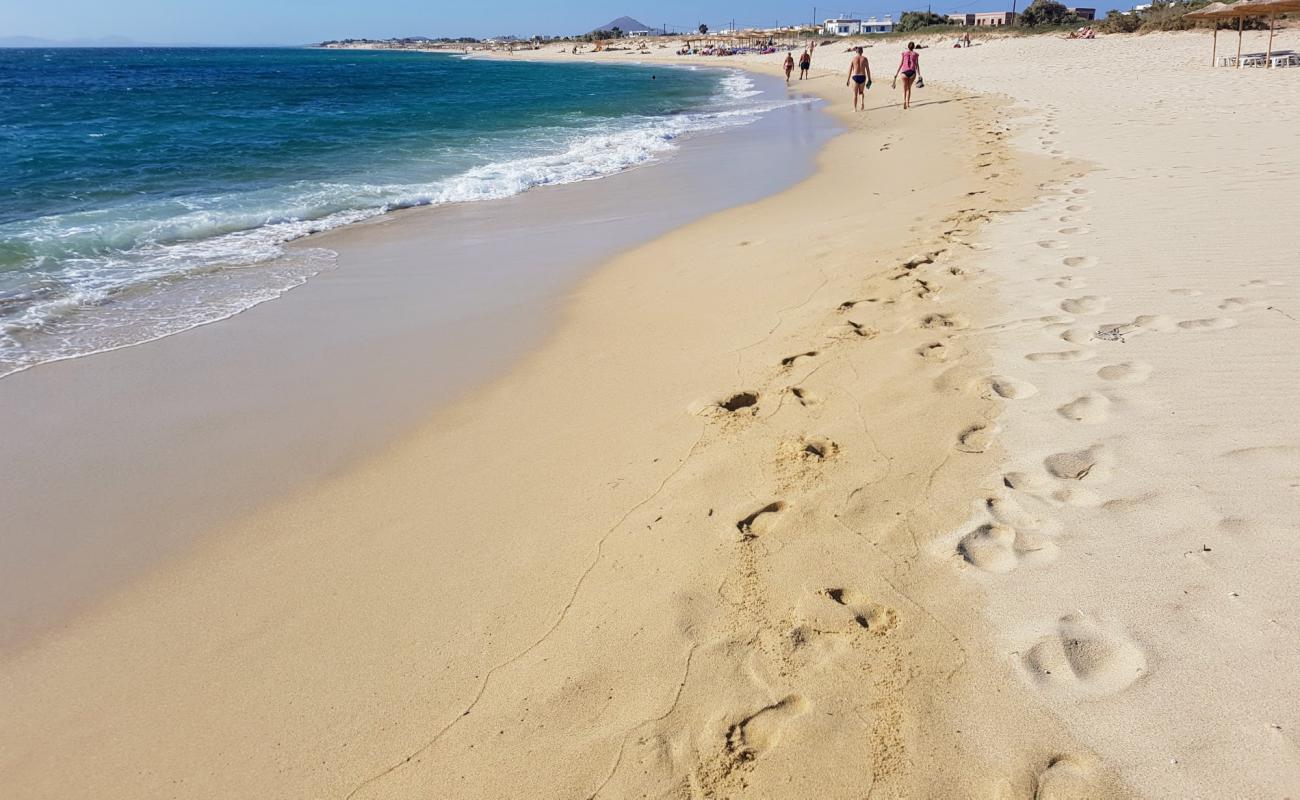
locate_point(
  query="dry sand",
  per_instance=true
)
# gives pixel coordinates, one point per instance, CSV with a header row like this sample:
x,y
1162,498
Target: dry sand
x,y
806,499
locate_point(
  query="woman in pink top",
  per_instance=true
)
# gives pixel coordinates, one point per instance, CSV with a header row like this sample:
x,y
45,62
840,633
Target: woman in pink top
x,y
910,67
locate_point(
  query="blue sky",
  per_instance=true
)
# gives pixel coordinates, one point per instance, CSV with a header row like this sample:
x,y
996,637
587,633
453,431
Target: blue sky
x,y
301,21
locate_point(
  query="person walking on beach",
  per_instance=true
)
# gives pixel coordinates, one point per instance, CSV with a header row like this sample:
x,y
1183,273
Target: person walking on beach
x,y
910,67
860,75
789,66
805,61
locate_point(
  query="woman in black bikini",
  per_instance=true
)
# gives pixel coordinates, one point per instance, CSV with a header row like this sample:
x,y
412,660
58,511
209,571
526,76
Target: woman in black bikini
x,y
910,67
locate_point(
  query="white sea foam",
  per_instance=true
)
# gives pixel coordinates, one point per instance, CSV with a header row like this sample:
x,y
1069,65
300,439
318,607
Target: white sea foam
x,y
161,270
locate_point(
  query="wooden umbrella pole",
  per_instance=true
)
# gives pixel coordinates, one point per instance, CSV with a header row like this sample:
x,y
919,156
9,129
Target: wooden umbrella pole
x,y
1240,23
1268,59
1214,49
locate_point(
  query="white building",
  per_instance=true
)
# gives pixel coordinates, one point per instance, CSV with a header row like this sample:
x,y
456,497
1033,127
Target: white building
x,y
842,27
857,27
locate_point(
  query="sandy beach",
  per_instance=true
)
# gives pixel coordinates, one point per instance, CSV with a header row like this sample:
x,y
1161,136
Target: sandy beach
x,y
965,467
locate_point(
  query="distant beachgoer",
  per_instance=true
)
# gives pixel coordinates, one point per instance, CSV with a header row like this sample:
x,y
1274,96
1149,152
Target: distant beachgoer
x,y
789,66
966,39
910,67
860,75
805,61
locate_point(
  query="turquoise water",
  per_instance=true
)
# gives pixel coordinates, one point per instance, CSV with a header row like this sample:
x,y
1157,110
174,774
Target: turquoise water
x,y
143,192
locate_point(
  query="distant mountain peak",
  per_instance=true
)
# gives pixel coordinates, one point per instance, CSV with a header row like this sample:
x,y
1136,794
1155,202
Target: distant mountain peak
x,y
624,24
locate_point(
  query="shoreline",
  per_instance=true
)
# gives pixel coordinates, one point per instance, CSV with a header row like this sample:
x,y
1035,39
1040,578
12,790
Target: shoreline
x,y
371,580
338,367
963,467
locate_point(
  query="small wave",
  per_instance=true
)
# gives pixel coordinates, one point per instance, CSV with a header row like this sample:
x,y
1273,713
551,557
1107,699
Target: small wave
x,y
98,280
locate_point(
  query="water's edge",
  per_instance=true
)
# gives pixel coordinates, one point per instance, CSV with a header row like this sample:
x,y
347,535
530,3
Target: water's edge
x,y
424,305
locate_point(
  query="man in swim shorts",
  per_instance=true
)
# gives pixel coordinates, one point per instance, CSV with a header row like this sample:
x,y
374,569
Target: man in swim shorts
x,y
860,76
805,61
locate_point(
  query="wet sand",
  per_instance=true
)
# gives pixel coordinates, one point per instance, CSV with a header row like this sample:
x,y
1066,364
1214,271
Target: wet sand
x,y
127,458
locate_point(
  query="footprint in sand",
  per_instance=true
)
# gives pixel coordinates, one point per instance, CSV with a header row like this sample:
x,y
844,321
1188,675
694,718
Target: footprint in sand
x,y
936,351
1076,208
1030,482
1240,304
1051,244
1074,230
817,448
1158,323
1088,304
1093,464
1067,778
1261,282
842,610
1071,282
1079,191
1063,355
848,305
804,397
1091,409
853,330
1079,335
1187,292
740,402
1079,262
1007,511
951,321
977,438
790,361
757,522
1000,548
1126,372
759,732
1206,325
1085,657
1011,388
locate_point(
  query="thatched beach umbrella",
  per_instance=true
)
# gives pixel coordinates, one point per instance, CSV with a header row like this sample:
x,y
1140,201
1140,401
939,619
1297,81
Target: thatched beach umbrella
x,y
1273,8
1211,12
1239,11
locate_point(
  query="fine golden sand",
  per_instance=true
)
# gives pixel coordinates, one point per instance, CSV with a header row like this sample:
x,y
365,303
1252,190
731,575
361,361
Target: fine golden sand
x,y
861,490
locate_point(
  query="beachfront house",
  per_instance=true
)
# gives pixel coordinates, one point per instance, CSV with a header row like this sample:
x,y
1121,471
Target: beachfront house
x,y
842,27
1084,13
961,19
994,19
874,25
845,26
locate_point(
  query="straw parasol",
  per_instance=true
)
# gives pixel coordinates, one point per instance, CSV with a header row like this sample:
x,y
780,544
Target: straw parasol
x,y
1214,11
1239,11
1273,8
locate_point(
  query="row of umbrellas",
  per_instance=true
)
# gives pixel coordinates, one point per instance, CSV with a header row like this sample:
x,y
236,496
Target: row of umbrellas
x,y
1239,11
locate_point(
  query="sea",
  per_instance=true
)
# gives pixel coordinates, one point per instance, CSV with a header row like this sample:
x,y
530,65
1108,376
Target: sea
x,y
147,191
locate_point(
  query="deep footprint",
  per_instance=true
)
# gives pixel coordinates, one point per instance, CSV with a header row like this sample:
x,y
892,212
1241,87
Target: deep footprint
x,y
746,526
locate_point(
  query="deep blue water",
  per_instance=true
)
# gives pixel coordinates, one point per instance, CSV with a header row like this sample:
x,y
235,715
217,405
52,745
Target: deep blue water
x,y
145,191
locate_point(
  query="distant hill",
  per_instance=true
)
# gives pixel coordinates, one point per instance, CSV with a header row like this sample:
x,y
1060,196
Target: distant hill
x,y
624,24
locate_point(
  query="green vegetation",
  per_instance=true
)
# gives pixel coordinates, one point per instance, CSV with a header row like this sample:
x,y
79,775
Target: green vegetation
x,y
1169,16
1046,12
912,21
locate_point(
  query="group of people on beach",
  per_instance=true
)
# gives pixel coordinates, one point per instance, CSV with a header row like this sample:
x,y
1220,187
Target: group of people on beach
x,y
805,62
909,68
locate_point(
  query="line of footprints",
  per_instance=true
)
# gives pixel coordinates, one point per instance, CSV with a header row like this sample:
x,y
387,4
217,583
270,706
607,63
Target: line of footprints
x,y
1084,655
